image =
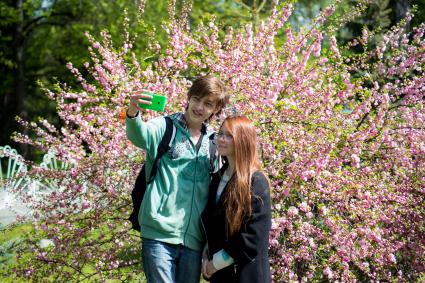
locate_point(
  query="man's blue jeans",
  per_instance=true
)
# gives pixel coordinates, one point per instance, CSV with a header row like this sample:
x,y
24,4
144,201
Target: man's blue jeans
x,y
167,263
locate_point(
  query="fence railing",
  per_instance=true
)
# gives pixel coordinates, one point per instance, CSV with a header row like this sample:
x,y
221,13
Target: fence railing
x,y
16,184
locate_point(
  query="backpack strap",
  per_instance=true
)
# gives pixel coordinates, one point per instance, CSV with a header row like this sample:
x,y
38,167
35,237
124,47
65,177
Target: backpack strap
x,y
163,147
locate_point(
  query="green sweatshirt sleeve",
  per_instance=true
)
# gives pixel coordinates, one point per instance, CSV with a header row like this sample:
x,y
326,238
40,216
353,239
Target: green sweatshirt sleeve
x,y
145,135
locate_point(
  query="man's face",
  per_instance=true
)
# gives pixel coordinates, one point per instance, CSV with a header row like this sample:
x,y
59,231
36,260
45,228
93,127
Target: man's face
x,y
200,109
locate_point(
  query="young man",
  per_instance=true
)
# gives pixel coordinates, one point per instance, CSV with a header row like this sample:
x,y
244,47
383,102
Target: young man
x,y
169,216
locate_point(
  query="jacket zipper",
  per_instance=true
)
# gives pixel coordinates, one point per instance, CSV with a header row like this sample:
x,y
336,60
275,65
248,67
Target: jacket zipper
x,y
193,192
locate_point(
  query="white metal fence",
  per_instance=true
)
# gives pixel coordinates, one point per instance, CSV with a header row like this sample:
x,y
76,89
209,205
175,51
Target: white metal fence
x,y
16,184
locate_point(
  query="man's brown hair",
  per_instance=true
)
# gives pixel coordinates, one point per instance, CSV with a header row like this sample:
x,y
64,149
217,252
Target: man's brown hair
x,y
210,85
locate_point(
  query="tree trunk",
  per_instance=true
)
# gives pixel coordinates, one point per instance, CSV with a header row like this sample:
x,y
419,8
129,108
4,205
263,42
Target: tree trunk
x,y
20,84
401,7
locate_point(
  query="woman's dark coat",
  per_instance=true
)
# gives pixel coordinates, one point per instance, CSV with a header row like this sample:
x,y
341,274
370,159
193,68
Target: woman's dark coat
x,y
248,247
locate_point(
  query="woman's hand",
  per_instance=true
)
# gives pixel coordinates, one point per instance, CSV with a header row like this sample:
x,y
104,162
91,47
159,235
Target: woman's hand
x,y
208,269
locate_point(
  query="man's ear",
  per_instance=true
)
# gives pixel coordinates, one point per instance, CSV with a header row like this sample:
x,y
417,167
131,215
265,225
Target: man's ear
x,y
187,102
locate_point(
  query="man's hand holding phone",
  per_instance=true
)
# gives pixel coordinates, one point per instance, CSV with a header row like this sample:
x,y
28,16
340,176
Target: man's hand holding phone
x,y
146,100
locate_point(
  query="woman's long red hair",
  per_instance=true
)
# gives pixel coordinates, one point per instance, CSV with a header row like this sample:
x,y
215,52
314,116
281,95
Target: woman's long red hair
x,y
238,195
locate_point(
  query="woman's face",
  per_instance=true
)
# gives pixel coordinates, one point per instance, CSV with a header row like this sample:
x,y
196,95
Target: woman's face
x,y
225,142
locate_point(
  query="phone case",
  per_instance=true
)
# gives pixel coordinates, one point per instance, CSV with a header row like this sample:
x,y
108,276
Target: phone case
x,y
158,102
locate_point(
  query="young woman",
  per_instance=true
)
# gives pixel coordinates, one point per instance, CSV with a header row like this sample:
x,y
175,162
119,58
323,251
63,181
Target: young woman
x,y
237,218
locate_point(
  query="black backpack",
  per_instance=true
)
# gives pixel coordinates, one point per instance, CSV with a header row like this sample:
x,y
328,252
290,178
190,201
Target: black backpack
x,y
164,146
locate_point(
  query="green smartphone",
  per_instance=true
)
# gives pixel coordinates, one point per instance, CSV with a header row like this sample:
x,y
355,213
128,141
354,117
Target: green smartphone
x,y
158,102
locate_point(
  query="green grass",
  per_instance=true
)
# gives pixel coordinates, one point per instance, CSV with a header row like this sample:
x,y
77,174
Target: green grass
x,y
13,232
11,236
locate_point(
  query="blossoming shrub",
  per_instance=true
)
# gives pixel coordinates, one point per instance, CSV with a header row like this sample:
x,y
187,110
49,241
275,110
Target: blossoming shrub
x,y
342,140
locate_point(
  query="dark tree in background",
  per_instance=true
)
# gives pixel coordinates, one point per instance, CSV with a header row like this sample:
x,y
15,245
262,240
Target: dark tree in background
x,y
400,8
21,24
38,38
